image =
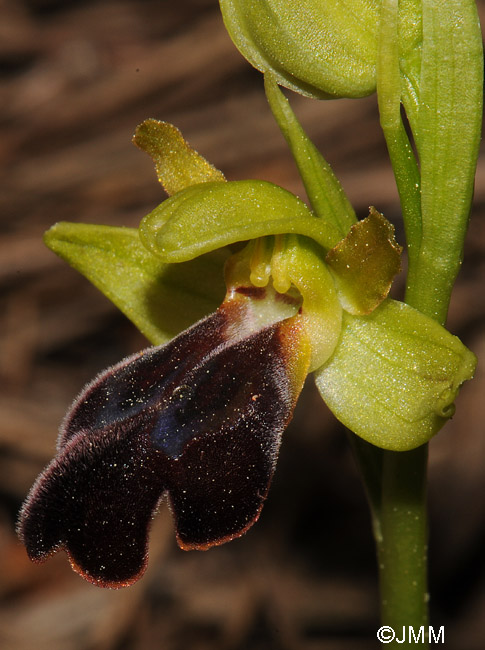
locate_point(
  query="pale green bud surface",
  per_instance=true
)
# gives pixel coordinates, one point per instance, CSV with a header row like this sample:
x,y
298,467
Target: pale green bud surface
x,y
320,49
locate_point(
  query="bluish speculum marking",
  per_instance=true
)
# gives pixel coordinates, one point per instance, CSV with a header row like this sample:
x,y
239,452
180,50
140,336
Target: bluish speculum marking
x,y
174,428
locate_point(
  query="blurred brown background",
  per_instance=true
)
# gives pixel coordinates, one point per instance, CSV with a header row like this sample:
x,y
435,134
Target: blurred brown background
x,y
77,77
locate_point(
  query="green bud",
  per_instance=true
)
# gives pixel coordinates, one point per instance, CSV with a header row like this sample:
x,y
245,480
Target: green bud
x,y
319,49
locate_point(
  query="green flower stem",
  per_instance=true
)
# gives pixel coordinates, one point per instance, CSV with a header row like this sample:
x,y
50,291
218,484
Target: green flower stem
x,y
435,201
402,546
395,484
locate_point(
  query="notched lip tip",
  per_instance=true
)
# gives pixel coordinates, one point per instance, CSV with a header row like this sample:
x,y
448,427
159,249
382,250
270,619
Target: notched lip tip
x,y
40,557
105,583
206,546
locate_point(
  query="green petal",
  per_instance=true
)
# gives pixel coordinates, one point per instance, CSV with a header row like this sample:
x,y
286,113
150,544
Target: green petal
x,y
394,376
320,49
365,264
160,299
178,165
207,216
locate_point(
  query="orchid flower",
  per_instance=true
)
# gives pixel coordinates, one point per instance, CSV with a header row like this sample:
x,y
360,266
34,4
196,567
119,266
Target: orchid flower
x,y
198,419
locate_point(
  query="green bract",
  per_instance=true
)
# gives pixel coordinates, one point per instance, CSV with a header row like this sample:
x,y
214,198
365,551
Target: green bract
x,y
430,63
320,49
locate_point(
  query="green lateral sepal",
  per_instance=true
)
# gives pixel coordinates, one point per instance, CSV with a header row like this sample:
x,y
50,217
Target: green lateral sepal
x,y
160,299
394,376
